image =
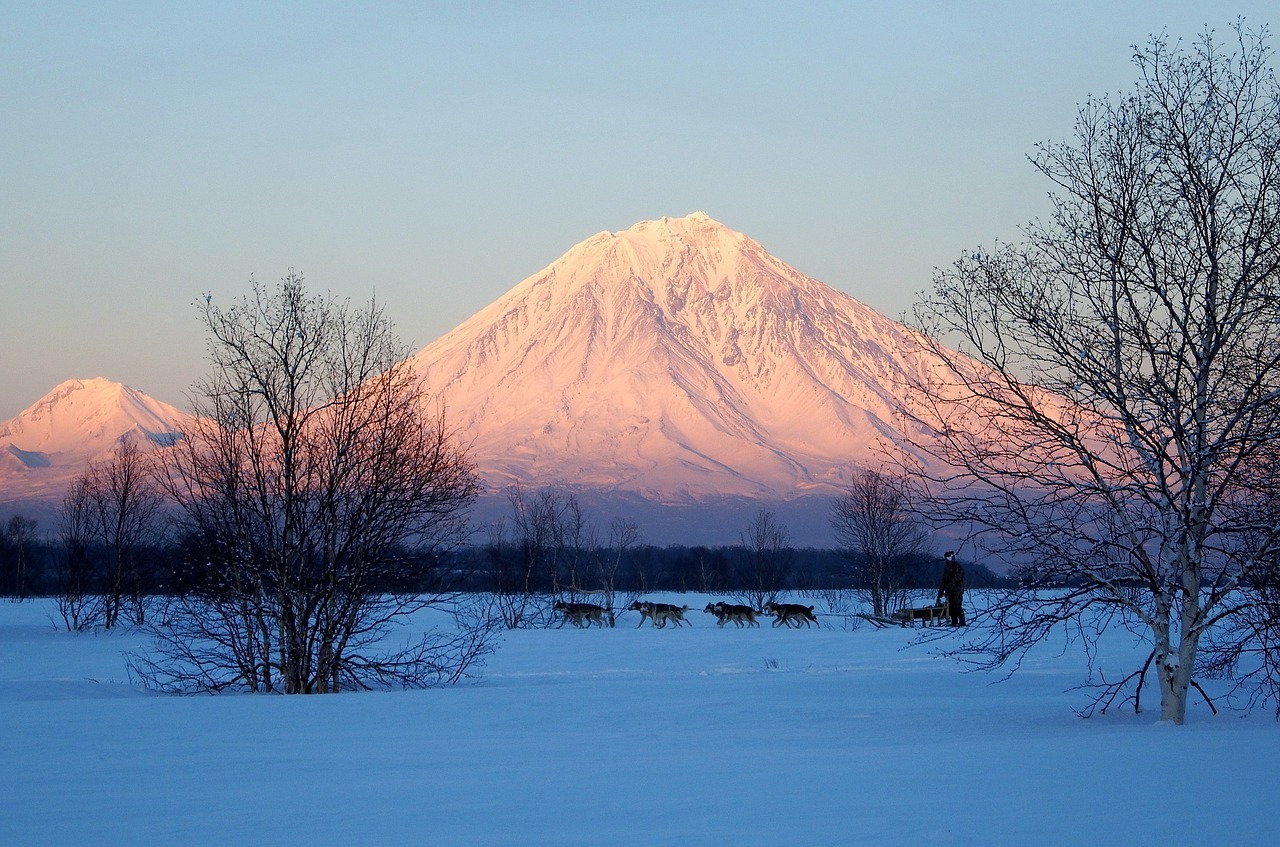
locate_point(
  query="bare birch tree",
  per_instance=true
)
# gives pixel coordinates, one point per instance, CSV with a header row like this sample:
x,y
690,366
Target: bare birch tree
x,y
126,506
524,556
111,527
77,600
17,537
317,492
549,545
1129,374
537,528
766,558
874,521
623,535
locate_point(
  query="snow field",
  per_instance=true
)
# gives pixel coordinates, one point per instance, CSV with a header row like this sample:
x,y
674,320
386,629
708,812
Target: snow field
x,y
685,736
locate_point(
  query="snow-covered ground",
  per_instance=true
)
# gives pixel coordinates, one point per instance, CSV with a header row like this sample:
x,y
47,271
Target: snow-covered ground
x,y
691,736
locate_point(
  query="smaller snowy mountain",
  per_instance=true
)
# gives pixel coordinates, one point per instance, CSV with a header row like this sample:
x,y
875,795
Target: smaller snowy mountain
x,y
80,421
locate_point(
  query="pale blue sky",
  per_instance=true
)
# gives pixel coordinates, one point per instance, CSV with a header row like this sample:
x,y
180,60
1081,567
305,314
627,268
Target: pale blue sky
x,y
437,154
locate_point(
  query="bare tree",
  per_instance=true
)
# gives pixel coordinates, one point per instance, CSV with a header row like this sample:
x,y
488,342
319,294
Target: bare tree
x,y
595,577
578,541
1128,364
125,511
16,539
538,527
317,493
512,599
110,526
549,545
78,603
873,522
767,555
623,535
523,555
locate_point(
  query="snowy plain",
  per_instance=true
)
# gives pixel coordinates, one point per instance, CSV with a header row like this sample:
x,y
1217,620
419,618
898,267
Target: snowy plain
x,y
689,736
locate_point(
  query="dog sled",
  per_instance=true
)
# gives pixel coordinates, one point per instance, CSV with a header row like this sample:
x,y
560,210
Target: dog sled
x,y
935,615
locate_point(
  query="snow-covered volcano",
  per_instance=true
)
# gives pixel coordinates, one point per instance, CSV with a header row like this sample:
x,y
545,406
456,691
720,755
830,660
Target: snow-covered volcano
x,y
676,360
78,422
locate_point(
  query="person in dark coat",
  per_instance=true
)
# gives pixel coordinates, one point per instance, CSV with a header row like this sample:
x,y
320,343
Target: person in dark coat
x,y
952,588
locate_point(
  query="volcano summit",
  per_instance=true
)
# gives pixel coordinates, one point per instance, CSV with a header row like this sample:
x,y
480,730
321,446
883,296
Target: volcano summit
x,y
678,361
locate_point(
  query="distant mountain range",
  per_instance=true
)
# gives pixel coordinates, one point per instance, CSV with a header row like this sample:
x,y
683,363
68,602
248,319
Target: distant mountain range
x,y
673,369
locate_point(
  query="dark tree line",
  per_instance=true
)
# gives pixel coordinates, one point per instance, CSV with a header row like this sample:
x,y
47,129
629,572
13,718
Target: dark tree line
x,y
180,567
729,569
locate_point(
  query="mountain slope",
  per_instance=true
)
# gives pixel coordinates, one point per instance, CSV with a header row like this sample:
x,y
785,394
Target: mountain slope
x,y
78,422
676,360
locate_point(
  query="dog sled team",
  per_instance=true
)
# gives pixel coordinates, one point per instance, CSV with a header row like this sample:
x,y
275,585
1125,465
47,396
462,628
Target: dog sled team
x,y
660,614
947,608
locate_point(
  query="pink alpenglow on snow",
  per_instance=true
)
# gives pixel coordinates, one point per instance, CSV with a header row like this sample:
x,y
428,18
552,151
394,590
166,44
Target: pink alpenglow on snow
x,y
78,422
675,360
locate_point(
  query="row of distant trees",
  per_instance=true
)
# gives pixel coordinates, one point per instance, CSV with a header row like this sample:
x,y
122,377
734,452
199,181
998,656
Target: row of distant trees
x,y
548,544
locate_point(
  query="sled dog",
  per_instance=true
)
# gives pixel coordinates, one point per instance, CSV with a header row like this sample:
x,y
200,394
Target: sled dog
x,y
791,614
582,614
725,612
659,613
